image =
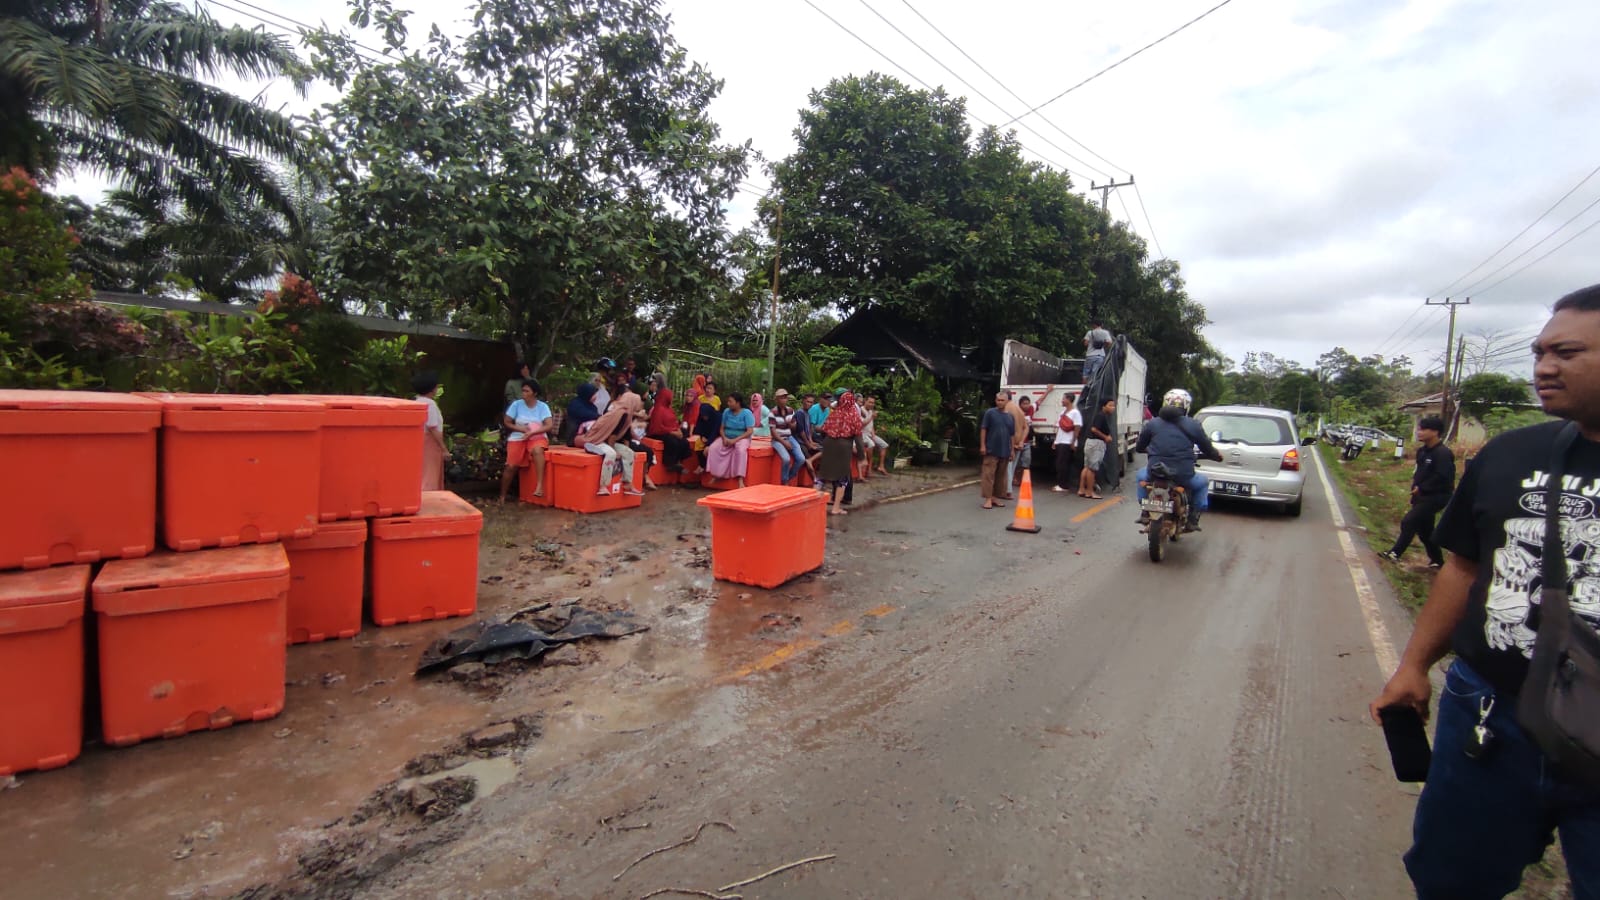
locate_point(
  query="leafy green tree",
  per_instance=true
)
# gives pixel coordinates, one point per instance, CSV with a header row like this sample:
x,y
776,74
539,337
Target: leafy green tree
x,y
1482,393
119,86
1298,391
555,174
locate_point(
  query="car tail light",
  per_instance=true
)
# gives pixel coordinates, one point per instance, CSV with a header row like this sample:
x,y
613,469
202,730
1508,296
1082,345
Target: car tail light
x,y
1291,460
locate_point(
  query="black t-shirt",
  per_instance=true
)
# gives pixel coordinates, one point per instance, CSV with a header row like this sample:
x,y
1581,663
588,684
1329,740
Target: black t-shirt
x,y
1101,423
1496,519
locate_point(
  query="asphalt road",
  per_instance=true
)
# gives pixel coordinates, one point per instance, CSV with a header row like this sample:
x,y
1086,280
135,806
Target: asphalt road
x,y
969,712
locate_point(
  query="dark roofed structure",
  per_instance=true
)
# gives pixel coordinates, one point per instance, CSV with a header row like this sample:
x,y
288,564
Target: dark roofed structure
x,y
881,339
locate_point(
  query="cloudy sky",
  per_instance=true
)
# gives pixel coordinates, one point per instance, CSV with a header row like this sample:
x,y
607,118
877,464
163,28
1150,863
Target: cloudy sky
x,y
1318,167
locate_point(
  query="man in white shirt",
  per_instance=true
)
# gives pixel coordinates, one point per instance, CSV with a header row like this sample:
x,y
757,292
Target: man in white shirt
x,y
1067,428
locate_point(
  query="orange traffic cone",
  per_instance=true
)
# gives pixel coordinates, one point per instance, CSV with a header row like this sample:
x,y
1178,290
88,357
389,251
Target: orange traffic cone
x,y
1024,520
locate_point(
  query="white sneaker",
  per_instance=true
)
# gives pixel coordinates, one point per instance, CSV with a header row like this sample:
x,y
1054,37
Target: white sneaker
x,y
1059,489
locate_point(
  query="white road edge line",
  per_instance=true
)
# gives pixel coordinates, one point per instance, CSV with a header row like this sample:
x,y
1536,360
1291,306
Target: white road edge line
x,y
1377,632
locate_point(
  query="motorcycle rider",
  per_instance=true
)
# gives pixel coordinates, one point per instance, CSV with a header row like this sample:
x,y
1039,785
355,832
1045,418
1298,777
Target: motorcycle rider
x,y
1171,438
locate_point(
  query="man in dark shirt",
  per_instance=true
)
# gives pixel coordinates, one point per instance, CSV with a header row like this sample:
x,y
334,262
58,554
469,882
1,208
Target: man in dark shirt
x,y
1431,485
995,434
1493,801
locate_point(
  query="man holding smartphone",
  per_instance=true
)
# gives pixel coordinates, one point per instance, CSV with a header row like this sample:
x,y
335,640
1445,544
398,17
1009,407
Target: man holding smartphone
x,y
1492,801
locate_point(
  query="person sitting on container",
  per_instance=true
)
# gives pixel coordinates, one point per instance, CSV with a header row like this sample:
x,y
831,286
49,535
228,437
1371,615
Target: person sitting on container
x,y
869,431
807,436
634,428
710,397
839,436
580,412
707,428
603,438
434,449
691,404
729,455
783,440
663,426
528,420
762,414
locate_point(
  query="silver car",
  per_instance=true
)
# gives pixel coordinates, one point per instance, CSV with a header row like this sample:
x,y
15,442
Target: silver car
x,y
1261,455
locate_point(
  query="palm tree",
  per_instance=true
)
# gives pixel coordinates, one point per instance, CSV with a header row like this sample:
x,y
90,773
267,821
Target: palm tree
x,y
116,86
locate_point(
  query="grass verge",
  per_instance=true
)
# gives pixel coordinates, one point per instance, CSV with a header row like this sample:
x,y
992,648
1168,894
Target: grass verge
x,y
1379,487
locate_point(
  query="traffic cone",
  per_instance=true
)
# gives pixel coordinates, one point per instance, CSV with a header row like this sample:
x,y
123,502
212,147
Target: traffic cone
x,y
1024,520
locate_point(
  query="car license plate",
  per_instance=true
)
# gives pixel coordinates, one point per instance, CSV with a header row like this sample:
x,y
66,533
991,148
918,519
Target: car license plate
x,y
1160,506
1235,488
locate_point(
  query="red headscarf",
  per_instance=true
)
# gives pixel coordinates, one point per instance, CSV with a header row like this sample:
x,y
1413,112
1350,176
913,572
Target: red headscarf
x,y
691,406
662,421
844,420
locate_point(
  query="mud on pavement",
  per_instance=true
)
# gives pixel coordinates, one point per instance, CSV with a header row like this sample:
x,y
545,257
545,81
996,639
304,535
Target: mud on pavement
x,y
368,765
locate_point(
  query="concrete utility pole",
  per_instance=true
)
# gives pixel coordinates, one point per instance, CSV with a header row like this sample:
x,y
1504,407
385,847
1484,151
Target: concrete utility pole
x,y
1106,189
772,341
1447,404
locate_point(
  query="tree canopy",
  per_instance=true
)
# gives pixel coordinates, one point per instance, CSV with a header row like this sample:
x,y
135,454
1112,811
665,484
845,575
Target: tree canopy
x,y
554,176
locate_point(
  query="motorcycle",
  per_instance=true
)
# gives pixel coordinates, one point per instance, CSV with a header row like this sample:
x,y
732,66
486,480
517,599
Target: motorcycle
x,y
1167,504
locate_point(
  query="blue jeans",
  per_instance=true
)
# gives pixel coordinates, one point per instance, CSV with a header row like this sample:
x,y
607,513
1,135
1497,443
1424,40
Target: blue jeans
x,y
789,457
1199,488
1479,823
1091,365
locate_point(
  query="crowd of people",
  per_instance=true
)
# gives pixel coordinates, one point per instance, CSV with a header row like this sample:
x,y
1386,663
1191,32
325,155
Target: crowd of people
x,y
610,415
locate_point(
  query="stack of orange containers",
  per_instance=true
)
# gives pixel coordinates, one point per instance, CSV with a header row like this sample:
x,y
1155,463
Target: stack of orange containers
x,y
425,566
41,667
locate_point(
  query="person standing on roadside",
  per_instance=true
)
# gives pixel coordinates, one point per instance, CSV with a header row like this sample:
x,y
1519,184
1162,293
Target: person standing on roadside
x,y
1493,801
995,434
1095,443
1022,459
1067,428
1431,484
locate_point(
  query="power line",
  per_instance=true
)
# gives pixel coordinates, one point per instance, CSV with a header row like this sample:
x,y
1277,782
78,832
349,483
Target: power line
x,y
1530,248
970,86
1385,342
1519,234
1541,256
1140,197
951,41
1120,61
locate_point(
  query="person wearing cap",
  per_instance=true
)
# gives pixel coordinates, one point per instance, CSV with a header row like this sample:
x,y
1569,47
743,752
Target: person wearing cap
x,y
602,383
818,413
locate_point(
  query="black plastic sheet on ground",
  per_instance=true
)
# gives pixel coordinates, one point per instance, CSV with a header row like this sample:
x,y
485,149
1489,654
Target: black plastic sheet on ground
x,y
495,642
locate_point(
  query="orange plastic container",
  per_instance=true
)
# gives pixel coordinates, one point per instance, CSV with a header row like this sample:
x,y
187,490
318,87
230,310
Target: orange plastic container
x,y
761,469
66,453
238,469
326,574
577,477
371,456
426,566
526,482
659,473
191,641
766,534
41,667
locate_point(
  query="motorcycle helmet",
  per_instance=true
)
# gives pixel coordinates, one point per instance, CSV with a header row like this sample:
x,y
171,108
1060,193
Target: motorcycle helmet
x,y
1177,397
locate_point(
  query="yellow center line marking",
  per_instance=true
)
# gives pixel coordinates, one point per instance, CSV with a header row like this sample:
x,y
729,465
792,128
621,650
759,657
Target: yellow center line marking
x,y
1095,510
840,628
775,658
878,612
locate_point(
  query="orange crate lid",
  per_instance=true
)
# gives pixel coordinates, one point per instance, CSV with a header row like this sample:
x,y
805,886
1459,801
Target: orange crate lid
x,y
243,412
231,575
351,409
41,412
570,456
42,599
762,498
443,514
332,536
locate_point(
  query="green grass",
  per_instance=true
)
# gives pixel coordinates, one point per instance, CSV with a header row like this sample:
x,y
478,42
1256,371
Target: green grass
x,y
1379,487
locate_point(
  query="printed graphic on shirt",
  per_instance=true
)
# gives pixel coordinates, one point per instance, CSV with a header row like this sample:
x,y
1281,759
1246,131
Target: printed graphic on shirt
x,y
1514,586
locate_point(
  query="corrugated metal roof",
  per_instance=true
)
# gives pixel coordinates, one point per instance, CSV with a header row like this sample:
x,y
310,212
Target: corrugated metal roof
x,y
366,323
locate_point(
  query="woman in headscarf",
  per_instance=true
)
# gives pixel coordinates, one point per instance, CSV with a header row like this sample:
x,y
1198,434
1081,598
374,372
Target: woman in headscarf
x,y
633,428
605,438
663,426
839,435
580,412
691,403
729,455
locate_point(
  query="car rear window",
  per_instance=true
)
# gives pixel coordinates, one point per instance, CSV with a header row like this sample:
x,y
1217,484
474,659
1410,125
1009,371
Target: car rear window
x,y
1256,431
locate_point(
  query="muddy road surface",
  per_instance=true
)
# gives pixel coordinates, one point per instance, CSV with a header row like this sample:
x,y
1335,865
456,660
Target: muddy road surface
x,y
946,709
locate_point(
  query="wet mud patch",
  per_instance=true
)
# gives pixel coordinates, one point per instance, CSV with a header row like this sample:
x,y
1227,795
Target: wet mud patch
x,y
417,812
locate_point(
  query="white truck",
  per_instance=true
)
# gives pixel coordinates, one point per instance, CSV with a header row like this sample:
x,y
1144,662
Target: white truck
x,y
1030,372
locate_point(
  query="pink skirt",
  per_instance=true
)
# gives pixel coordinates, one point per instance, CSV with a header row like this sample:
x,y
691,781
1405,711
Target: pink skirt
x,y
725,460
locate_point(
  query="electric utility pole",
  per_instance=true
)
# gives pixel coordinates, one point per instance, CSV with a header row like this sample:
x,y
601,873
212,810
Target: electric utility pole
x,y
772,341
1106,189
1447,403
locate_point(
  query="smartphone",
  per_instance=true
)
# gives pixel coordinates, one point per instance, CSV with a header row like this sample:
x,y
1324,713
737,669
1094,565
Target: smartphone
x,y
1408,742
